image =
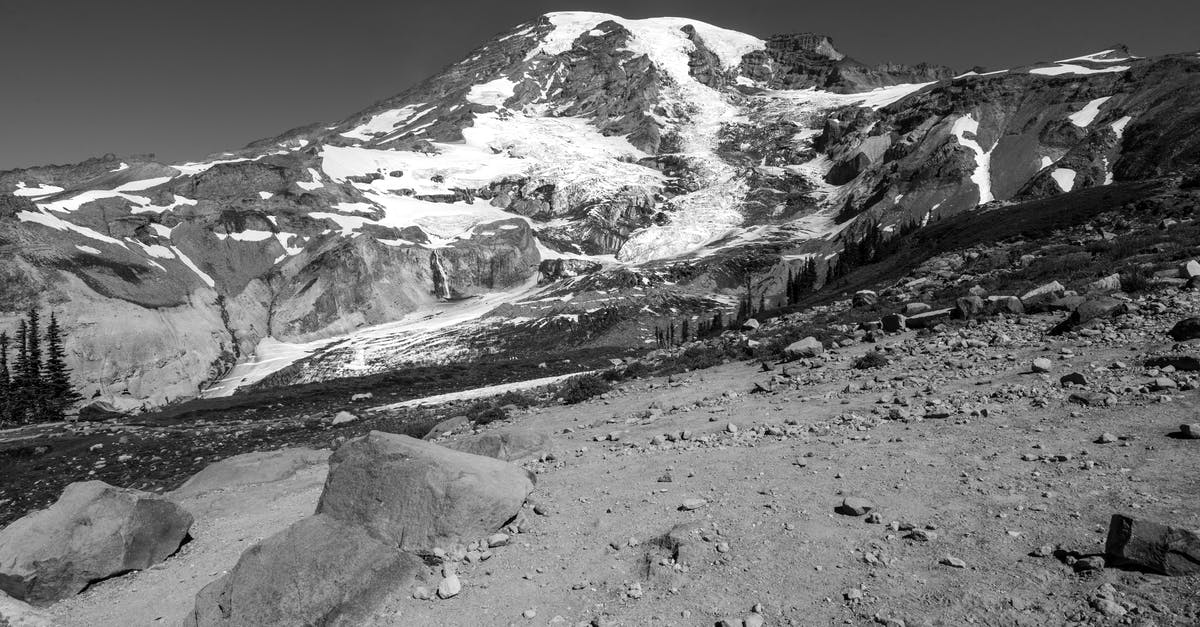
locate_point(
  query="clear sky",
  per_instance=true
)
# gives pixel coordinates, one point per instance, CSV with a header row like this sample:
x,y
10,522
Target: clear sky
x,y
183,79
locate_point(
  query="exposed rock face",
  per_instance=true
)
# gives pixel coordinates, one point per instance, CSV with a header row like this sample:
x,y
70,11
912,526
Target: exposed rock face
x,y
1153,547
92,532
319,571
418,495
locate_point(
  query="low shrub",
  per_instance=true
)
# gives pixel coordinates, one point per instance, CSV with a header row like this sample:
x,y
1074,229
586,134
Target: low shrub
x,y
873,359
581,388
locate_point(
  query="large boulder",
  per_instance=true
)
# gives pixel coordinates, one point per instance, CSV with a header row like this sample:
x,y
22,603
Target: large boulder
x,y
893,323
808,347
250,469
1092,309
505,444
969,307
865,298
14,613
927,319
1186,329
1039,298
93,531
318,571
417,495
1005,305
1151,546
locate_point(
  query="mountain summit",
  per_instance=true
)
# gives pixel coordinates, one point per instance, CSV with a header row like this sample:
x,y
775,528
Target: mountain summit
x,y
563,184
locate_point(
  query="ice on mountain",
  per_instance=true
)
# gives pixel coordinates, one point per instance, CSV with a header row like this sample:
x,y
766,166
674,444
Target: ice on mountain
x,y
187,261
492,93
41,190
1071,68
87,249
47,219
982,176
1085,116
1118,127
1065,177
385,122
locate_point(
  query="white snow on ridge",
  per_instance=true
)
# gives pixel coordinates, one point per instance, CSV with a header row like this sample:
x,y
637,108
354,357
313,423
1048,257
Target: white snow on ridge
x,y
875,99
177,201
87,249
385,122
982,176
1065,177
36,192
1071,68
187,261
47,219
493,93
662,39
246,236
1085,116
1118,127
1098,57
78,200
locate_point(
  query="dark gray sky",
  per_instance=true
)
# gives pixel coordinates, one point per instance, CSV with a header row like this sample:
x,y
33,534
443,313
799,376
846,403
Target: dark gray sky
x,y
184,79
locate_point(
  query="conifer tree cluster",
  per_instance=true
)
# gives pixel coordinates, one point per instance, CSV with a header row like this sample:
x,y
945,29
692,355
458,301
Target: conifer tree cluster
x,y
802,282
676,334
35,384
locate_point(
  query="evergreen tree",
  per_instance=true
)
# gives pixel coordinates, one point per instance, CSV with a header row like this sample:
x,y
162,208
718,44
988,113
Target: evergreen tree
x,y
5,379
684,333
58,391
762,303
18,390
718,323
36,387
791,287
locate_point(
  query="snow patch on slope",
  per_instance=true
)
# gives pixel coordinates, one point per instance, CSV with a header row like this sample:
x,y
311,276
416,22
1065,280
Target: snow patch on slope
x,y
1085,116
1071,68
982,176
1065,177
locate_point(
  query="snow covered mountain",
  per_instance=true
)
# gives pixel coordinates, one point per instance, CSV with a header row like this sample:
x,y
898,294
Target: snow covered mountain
x,y
564,184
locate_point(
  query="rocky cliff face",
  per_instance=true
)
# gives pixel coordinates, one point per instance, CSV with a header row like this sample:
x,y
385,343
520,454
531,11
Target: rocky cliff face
x,y
607,159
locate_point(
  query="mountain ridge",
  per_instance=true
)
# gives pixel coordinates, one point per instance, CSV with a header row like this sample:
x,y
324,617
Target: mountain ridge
x,y
571,146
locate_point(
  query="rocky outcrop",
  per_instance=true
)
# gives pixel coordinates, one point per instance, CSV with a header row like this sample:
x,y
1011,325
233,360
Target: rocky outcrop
x,y
1153,547
94,531
418,495
318,571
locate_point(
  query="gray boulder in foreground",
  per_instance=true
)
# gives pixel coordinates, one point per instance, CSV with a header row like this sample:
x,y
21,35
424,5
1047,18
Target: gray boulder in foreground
x,y
808,347
93,531
1153,547
14,613
318,571
417,495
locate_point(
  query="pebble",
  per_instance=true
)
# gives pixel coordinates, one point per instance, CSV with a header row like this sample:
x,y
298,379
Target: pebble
x,y
691,504
1041,364
1107,438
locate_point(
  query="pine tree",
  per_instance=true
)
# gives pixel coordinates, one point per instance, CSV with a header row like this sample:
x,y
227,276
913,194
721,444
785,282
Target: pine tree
x,y
5,379
684,333
36,386
58,391
718,323
791,287
18,390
